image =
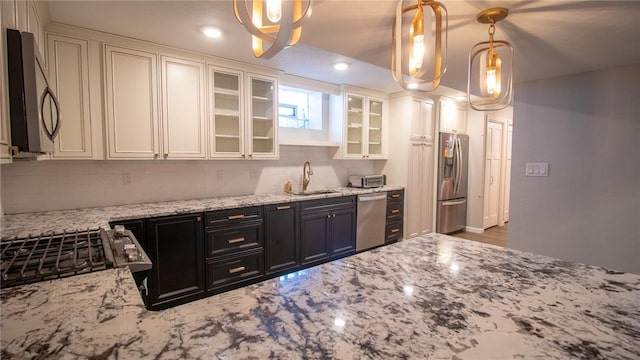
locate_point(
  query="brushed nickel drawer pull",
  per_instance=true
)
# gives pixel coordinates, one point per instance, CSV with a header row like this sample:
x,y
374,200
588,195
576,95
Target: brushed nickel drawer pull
x,y
283,207
238,269
234,217
395,195
237,240
395,211
395,230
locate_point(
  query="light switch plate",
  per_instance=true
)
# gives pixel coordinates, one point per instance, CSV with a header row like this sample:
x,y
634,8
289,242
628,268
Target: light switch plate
x,y
536,169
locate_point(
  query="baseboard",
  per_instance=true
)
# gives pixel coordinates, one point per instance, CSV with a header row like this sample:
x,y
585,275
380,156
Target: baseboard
x,y
474,230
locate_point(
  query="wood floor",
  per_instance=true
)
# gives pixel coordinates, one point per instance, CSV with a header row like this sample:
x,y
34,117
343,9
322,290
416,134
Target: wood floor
x,y
496,235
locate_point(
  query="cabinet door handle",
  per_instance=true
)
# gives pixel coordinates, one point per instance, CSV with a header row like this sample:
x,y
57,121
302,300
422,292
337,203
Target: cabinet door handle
x,y
394,230
283,207
395,196
234,217
235,241
395,211
236,270
198,219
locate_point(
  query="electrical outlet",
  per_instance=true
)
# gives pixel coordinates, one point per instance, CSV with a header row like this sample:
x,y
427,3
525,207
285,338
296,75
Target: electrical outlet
x,y
126,179
220,175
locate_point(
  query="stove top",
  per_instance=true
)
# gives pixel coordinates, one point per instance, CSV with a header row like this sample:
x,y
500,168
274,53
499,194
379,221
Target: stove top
x,y
50,256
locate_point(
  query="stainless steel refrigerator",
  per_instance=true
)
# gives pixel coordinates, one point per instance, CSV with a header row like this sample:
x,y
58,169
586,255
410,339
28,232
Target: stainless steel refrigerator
x,y
453,160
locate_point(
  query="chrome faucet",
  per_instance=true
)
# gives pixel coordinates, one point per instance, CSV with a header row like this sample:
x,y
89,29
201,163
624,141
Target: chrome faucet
x,y
306,175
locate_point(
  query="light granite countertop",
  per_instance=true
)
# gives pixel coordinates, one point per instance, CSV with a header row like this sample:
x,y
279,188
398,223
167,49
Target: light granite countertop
x,y
23,225
434,297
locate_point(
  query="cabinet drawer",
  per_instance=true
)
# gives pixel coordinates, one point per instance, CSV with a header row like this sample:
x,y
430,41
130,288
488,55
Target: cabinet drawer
x,y
232,216
394,212
395,196
393,231
230,239
328,204
235,270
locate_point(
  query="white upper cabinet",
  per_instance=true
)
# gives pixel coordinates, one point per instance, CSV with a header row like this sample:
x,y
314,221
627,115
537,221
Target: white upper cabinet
x,y
134,129
262,122
183,109
453,116
69,78
226,113
422,120
131,85
364,132
243,118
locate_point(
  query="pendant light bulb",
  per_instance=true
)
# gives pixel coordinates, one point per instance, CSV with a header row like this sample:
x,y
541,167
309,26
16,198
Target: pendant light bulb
x,y
492,76
274,10
416,57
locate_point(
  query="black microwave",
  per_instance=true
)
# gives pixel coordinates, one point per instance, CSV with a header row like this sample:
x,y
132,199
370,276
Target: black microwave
x,y
34,111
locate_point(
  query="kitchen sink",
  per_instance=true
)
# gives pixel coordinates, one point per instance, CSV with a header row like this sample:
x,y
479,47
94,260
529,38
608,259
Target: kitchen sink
x,y
316,192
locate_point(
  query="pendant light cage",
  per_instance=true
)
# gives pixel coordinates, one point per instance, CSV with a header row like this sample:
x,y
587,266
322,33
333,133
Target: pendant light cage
x,y
490,73
277,23
419,45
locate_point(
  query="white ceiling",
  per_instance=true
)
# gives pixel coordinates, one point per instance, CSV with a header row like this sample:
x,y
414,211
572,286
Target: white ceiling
x,y
550,37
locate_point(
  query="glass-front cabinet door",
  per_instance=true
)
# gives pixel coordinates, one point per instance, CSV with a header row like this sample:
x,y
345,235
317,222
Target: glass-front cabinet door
x,y
375,137
226,112
262,121
355,110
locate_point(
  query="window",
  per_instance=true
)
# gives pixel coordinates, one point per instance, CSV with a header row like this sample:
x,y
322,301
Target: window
x,y
300,108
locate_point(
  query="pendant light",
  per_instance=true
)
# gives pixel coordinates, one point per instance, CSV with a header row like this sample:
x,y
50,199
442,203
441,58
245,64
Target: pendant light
x,y
281,27
490,75
419,58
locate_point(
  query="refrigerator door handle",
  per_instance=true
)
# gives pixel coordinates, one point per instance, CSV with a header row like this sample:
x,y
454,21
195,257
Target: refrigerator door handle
x,y
452,203
456,185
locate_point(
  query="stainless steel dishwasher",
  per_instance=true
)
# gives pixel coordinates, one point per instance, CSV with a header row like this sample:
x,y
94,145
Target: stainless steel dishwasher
x,y
372,216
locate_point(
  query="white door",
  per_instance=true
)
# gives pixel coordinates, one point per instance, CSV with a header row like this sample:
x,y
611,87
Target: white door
x,y
419,190
132,103
493,155
507,180
183,109
69,78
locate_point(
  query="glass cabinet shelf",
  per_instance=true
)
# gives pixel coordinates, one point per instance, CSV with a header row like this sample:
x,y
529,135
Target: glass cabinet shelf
x,y
227,113
225,136
228,92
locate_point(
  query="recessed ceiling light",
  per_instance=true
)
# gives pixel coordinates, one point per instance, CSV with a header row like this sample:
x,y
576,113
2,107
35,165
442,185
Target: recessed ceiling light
x,y
211,32
341,66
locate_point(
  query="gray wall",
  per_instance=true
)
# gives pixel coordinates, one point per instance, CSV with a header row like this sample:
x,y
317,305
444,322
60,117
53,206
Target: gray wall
x,y
587,127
